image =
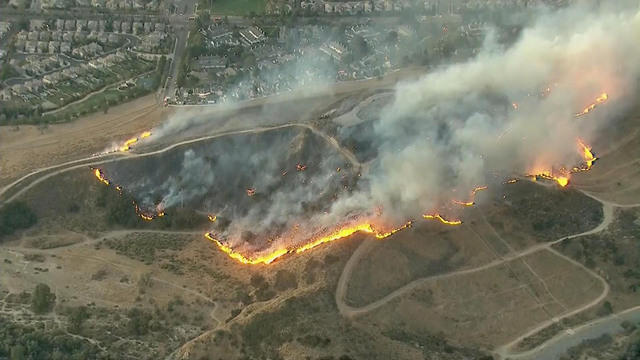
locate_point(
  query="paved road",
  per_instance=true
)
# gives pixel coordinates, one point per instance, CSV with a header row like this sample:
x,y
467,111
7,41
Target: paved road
x,y
558,346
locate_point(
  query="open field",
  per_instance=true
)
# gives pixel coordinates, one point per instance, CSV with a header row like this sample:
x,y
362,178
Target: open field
x,y
530,261
236,7
486,308
30,148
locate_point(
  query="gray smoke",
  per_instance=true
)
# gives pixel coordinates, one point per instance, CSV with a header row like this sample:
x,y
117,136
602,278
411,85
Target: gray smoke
x,y
508,111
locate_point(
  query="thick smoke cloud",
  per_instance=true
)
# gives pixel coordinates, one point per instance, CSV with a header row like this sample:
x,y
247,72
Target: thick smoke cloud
x,y
456,127
506,112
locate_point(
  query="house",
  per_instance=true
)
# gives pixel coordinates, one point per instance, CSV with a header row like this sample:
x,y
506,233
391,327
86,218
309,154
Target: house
x,y
113,39
44,36
43,47
32,35
148,27
87,51
19,45
70,25
30,46
65,47
137,27
252,36
54,47
334,49
56,35
328,7
125,27
80,36
211,62
36,24
67,36
159,27
33,85
81,25
103,38
60,24
52,78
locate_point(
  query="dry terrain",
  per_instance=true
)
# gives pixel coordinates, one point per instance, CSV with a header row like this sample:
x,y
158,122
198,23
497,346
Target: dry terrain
x,y
530,263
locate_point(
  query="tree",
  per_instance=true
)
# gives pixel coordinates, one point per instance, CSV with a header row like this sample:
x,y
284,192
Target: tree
x,y
16,216
76,318
17,353
43,299
138,322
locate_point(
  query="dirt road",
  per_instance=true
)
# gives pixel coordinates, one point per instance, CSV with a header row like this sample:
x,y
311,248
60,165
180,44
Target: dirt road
x,y
504,351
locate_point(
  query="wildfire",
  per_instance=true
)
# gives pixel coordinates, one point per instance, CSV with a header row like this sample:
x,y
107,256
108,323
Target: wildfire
x,y
587,155
265,259
301,167
599,100
213,218
562,180
471,202
144,216
463,203
511,181
251,191
437,216
393,231
98,173
126,146
336,235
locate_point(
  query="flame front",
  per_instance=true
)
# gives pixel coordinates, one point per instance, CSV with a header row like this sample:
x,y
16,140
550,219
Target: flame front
x,y
472,201
341,233
599,100
212,218
265,259
587,155
562,179
126,146
437,216
98,173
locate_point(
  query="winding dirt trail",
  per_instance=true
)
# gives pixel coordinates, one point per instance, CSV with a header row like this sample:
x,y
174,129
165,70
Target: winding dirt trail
x,y
506,350
109,158
343,282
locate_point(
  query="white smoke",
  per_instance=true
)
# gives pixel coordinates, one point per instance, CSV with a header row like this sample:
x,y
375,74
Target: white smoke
x,y
503,113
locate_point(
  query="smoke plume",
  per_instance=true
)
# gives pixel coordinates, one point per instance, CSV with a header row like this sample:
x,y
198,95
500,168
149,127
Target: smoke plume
x,y
506,112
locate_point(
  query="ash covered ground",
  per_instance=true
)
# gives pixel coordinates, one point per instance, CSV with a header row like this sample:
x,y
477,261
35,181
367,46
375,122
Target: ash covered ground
x,y
258,185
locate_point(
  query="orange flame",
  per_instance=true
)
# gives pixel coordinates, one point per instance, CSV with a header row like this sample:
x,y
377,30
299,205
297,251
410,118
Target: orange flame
x,y
338,234
437,216
471,202
599,100
587,155
213,218
126,146
334,236
265,259
100,175
562,180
